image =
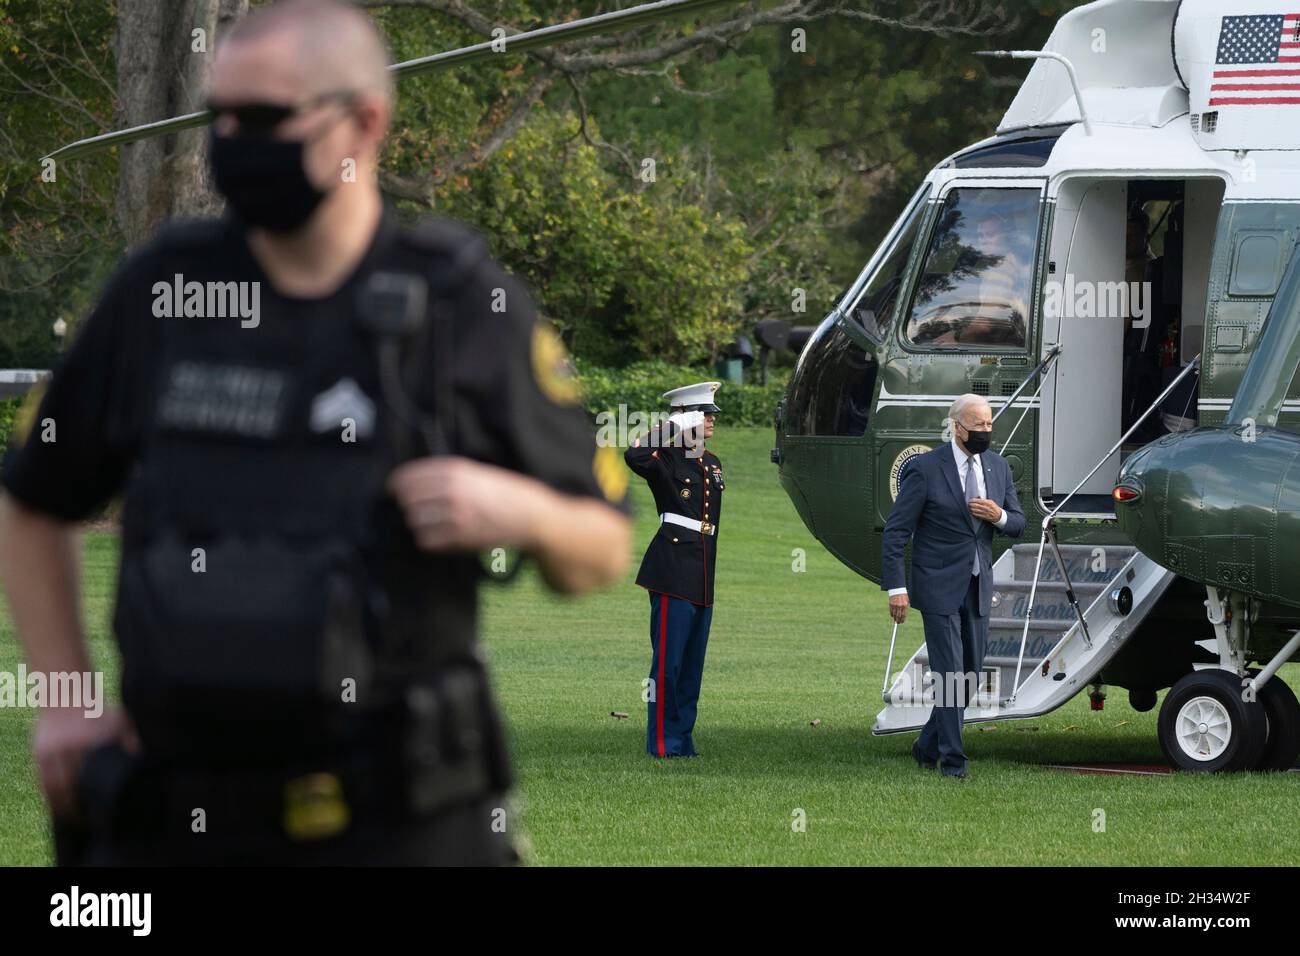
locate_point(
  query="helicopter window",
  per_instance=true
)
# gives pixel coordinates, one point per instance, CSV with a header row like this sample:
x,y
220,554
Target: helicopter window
x,y
834,384
1025,150
1258,264
975,287
874,309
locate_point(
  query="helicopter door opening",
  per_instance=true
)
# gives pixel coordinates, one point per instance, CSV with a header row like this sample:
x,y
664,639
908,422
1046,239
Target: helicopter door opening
x,y
1128,260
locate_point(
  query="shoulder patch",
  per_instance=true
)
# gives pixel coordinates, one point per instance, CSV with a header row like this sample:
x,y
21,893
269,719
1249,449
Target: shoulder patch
x,y
610,474
26,415
552,367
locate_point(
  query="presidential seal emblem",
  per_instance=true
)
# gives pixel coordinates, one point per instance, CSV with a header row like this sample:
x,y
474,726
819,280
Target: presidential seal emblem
x,y
896,469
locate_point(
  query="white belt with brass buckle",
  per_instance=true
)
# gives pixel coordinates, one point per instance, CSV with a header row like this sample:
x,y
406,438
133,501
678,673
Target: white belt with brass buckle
x,y
704,527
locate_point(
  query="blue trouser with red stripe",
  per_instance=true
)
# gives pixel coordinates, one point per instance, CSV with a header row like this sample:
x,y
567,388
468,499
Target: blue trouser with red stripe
x,y
679,634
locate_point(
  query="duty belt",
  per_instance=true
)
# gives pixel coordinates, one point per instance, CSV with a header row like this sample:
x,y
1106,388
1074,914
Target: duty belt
x,y
704,527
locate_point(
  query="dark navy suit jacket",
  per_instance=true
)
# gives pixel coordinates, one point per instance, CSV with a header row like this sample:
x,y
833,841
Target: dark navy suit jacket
x,y
931,511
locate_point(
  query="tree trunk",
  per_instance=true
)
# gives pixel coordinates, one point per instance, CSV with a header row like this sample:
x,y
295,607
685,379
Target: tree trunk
x,y
162,69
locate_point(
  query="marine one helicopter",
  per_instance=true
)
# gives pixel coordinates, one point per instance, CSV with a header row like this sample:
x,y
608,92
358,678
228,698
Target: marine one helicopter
x,y
1114,270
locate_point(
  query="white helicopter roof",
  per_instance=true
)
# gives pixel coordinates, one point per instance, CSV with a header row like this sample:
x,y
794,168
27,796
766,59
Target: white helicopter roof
x,y
1235,68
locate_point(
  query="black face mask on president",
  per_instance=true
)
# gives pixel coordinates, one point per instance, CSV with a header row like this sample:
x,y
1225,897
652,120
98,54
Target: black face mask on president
x,y
976,442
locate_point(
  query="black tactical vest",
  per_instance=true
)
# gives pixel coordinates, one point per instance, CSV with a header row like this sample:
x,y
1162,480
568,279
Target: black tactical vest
x,y
270,595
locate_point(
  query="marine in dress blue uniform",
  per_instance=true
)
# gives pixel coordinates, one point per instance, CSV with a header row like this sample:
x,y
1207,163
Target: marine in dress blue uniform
x,y
687,483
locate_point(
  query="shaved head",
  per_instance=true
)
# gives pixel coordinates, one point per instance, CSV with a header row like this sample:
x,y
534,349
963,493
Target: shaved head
x,y
319,70
321,46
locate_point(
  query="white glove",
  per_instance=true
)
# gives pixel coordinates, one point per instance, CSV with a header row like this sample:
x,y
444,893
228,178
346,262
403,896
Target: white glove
x,y
687,420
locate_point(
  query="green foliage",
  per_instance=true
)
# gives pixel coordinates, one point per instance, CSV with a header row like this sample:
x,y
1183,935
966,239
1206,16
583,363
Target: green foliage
x,y
8,413
776,170
639,387
623,272
56,229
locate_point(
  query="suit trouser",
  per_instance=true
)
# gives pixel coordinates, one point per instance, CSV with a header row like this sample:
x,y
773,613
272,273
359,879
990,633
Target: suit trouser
x,y
679,635
955,645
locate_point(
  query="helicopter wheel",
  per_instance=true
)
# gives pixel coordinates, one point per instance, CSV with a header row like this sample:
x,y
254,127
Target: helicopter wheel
x,y
1206,726
1283,713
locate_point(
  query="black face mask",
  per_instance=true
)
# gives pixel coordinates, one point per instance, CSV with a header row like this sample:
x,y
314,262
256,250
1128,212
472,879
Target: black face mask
x,y
977,442
264,180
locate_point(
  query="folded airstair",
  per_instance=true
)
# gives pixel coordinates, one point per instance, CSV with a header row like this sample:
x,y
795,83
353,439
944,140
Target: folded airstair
x,y
1039,655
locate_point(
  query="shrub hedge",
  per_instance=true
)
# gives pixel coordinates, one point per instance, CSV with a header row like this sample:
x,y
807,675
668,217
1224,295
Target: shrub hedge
x,y
639,387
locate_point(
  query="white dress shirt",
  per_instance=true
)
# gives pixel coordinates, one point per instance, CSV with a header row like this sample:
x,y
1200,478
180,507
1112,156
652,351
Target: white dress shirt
x,y
965,461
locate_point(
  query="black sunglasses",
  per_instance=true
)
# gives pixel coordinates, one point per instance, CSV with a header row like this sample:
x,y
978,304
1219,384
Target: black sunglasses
x,y
263,118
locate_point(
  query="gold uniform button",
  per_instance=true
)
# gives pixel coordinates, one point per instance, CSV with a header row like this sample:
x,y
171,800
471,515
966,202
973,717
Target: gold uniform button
x,y
674,540
686,492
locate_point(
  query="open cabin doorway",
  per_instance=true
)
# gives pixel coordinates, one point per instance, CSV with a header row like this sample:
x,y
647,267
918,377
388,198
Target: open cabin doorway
x,y
1124,294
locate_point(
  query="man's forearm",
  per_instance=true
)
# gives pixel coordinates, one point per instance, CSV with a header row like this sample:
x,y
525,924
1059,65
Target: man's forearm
x,y
40,567
579,543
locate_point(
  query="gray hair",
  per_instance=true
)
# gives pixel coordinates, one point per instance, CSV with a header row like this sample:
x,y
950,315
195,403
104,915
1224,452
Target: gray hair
x,y
962,403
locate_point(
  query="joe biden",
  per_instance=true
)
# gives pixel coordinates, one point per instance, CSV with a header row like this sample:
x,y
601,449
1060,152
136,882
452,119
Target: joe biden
x,y
950,502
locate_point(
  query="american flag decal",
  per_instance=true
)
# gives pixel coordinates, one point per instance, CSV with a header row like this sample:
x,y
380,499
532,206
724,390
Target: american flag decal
x,y
1258,62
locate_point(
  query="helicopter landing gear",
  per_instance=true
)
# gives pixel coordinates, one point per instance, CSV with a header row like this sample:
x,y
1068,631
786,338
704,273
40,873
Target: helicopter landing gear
x,y
1225,717
1207,725
1283,712
1141,699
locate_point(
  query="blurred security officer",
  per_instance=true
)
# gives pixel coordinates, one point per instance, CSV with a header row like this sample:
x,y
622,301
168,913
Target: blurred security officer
x,y
310,474
950,501
686,480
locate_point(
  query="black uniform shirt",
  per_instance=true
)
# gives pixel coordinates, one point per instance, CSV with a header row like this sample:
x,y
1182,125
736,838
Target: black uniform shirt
x,y
516,405
232,425
680,561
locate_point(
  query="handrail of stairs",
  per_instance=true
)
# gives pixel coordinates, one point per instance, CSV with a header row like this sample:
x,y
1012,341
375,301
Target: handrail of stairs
x,y
1048,359
1049,531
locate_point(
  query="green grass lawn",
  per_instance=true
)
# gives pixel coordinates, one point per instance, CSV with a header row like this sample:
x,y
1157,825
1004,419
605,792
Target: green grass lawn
x,y
786,648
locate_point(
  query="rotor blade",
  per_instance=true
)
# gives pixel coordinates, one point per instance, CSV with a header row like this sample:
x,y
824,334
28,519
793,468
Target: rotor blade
x,y
512,43
556,33
103,140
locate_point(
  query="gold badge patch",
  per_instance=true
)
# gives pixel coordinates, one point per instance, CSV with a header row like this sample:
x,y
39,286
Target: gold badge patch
x,y
26,417
611,474
552,367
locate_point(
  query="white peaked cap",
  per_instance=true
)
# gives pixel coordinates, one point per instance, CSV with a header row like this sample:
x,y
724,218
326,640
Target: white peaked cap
x,y
698,396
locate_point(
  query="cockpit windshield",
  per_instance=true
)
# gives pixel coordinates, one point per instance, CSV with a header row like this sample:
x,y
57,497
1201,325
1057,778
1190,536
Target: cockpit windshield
x,y
976,285
881,282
